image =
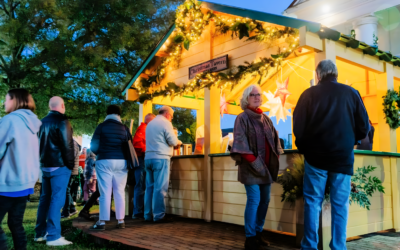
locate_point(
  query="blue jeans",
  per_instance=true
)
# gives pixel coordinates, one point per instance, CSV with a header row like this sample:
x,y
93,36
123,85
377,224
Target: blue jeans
x,y
157,180
315,180
140,188
258,197
52,199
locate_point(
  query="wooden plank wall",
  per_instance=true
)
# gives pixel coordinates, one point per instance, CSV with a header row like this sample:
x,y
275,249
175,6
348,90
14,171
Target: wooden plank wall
x,y
185,195
380,216
229,198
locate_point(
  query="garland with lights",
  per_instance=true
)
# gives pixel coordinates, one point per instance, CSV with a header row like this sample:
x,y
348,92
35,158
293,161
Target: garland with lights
x,y
186,34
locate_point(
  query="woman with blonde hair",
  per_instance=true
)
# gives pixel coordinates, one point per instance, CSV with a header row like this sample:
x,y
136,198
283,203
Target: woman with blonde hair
x,y
256,149
19,162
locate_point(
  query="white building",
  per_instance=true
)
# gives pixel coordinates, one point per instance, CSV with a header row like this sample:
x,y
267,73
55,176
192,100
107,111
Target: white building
x,y
370,19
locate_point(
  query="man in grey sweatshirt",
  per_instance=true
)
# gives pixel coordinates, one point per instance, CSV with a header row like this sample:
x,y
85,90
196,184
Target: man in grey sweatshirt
x,y
160,141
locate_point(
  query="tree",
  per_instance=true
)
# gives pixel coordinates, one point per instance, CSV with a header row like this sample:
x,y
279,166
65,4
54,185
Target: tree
x,y
81,50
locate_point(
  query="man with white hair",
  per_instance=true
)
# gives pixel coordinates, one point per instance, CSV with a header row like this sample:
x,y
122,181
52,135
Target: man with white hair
x,y
329,119
57,159
160,141
139,143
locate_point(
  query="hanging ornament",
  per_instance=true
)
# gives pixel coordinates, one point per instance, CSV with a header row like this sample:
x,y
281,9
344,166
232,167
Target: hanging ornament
x,y
274,104
282,92
223,105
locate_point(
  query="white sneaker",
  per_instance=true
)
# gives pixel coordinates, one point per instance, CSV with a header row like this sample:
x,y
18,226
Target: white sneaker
x,y
40,239
60,242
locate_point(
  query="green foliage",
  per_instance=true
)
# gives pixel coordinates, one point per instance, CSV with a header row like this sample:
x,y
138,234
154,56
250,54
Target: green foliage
x,y
391,103
193,130
362,186
292,179
82,50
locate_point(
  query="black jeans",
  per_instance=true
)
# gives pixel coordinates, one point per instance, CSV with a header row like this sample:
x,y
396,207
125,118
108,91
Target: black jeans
x,y
69,206
92,199
15,207
74,187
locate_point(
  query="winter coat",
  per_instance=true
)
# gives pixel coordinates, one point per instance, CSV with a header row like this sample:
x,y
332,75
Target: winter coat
x,y
19,151
328,121
77,149
139,140
250,132
108,138
56,143
90,171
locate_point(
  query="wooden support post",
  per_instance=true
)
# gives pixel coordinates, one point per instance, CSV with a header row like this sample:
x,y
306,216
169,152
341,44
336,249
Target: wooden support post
x,y
386,135
211,143
144,109
200,116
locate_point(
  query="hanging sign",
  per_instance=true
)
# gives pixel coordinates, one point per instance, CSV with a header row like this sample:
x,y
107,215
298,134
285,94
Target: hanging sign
x,y
214,65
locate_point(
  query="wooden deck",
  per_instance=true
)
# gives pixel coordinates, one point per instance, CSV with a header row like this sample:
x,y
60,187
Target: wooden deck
x,y
182,233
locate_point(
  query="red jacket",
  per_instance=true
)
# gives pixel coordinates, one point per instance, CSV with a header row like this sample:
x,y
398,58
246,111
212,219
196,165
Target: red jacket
x,y
139,140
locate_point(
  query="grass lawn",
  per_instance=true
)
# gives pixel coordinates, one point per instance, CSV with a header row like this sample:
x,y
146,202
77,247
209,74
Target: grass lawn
x,y
80,240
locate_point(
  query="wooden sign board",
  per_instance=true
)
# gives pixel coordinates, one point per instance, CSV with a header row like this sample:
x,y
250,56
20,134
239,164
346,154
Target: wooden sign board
x,y
214,65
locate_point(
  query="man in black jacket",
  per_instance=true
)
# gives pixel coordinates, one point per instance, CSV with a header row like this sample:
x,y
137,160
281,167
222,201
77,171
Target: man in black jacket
x,y
56,161
328,121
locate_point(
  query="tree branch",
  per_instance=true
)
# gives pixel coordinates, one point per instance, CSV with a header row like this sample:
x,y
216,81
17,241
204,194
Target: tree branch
x,y
3,61
4,7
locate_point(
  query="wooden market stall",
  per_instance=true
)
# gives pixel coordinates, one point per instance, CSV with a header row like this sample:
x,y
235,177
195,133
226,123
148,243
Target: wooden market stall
x,y
262,49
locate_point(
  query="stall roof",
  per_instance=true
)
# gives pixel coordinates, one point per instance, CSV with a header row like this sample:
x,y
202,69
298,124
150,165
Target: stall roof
x,y
323,32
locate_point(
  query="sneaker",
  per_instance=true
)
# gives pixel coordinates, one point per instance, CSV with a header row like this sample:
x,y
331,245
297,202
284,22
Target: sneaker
x,y
86,215
41,239
60,242
120,225
97,227
73,213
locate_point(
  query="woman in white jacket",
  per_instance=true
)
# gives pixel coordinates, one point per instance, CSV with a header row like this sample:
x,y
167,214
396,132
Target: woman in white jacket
x,y
19,162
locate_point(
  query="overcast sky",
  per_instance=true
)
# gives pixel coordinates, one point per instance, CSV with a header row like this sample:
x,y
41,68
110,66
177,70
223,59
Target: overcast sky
x,y
270,6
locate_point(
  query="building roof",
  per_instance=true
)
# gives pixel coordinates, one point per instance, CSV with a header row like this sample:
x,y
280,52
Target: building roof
x,y
296,2
323,32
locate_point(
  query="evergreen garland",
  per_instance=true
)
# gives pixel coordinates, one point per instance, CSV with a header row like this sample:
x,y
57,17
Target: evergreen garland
x,y
391,104
149,87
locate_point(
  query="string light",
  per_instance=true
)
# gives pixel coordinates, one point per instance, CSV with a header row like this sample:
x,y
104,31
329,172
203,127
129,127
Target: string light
x,y
188,33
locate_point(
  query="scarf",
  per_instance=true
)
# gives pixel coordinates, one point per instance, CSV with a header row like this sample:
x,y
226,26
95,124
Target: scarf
x,y
113,117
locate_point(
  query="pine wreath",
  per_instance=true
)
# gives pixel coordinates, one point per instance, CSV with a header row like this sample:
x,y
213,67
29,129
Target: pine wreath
x,y
391,102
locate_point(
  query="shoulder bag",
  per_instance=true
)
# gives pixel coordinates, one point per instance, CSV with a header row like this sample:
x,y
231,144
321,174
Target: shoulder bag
x,y
129,152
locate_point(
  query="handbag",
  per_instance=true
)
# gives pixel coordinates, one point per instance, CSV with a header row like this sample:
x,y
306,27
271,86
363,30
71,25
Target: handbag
x,y
132,160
